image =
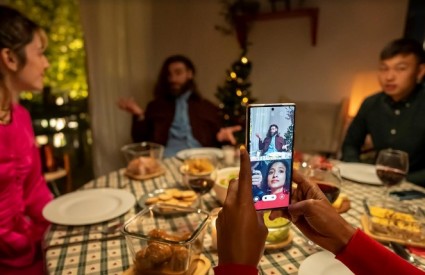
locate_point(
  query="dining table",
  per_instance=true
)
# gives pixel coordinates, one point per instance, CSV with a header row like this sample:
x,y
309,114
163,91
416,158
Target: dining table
x,y
83,249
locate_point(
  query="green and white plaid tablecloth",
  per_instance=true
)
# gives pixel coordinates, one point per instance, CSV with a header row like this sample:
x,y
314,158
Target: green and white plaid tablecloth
x,y
112,256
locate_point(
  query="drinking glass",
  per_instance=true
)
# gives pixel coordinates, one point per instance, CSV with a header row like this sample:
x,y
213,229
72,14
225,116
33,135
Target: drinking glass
x,y
328,179
391,167
200,172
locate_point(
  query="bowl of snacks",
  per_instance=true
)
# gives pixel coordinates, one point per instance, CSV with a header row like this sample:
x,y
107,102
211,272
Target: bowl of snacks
x,y
165,239
224,176
278,229
143,159
394,220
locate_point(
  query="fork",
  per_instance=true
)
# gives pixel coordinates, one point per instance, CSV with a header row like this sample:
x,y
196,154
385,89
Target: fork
x,y
104,231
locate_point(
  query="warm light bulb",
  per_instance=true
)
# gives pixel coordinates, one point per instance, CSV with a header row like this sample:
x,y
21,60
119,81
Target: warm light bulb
x,y
244,60
233,75
245,100
239,93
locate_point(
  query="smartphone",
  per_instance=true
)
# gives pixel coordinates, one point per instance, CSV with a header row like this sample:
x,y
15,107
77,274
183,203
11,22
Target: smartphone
x,y
408,194
270,142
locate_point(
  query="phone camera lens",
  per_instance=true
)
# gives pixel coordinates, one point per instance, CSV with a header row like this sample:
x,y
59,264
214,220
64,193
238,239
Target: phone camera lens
x,y
272,109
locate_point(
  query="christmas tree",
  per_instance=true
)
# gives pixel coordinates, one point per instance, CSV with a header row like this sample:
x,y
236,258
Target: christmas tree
x,y
235,95
289,135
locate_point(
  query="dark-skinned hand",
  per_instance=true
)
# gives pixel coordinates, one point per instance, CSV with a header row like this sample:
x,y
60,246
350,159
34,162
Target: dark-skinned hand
x,y
312,213
241,232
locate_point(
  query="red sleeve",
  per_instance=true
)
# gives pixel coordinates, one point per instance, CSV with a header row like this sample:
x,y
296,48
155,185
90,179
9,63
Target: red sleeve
x,y
231,269
364,255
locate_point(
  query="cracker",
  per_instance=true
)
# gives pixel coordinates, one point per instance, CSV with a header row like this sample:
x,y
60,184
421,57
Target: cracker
x,y
151,200
165,197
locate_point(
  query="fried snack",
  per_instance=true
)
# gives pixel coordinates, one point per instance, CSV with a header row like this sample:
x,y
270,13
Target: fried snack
x,y
143,166
174,196
396,224
199,166
161,258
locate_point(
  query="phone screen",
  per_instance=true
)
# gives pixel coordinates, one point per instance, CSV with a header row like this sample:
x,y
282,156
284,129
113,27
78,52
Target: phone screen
x,y
408,194
270,143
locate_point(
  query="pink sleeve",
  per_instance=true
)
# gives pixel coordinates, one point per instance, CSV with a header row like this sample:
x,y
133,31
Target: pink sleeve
x,y
36,196
231,269
364,255
23,194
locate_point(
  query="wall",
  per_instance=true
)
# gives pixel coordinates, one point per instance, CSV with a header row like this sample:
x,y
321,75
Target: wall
x,y
351,34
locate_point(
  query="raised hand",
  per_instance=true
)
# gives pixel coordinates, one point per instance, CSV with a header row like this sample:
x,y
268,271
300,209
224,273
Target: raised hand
x,y
241,233
257,178
312,213
130,105
226,134
258,135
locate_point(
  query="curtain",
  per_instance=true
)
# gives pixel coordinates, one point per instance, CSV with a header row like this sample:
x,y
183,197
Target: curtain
x,y
117,40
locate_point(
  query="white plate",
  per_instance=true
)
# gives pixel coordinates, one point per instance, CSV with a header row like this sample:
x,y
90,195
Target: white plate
x,y
323,263
359,172
183,154
89,206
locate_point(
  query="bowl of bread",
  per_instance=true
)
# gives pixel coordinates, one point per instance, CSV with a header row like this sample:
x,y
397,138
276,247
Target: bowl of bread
x,y
143,160
165,241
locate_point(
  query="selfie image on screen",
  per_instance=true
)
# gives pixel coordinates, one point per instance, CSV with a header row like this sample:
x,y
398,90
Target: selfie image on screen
x,y
271,132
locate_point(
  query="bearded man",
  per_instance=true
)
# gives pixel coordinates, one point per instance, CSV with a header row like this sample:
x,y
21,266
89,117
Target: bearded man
x,y
178,117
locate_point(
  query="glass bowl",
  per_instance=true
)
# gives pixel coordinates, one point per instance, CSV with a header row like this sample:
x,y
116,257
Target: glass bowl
x,y
224,176
278,229
165,239
143,149
395,220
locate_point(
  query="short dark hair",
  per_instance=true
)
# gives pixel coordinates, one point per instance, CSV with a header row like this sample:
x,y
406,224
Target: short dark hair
x,y
162,86
403,46
16,31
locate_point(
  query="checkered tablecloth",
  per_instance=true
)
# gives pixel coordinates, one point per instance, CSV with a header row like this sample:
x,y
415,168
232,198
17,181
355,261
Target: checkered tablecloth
x,y
70,256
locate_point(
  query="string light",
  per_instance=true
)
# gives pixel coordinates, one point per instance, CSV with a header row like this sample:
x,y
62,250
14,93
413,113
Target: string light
x,y
245,100
244,60
233,75
238,92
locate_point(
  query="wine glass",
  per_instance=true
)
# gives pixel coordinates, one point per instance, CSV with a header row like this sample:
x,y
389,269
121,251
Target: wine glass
x,y
329,180
200,174
391,167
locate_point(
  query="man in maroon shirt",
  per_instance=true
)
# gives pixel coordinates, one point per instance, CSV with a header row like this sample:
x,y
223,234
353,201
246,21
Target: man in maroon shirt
x,y
178,117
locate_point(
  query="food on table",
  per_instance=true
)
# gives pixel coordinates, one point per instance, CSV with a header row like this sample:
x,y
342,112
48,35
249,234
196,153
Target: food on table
x,y
396,224
173,196
198,166
143,166
278,228
225,181
163,258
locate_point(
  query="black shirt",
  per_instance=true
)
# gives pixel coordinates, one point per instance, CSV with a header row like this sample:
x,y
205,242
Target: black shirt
x,y
397,125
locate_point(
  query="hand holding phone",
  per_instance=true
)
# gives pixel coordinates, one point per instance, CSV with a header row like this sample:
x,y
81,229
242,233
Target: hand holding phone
x,y
271,156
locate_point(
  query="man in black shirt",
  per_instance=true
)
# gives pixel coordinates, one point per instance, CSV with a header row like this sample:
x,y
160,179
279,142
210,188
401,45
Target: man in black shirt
x,y
394,117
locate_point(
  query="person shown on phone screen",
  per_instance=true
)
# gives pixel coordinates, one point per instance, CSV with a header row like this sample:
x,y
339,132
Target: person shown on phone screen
x,y
276,182
273,142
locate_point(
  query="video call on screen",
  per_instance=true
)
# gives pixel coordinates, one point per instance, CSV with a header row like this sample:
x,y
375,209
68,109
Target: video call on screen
x,y
270,142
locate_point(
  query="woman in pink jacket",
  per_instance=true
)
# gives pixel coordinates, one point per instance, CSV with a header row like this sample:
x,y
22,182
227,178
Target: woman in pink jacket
x,y
23,190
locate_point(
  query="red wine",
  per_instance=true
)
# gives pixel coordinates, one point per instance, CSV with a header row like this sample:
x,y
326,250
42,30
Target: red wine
x,y
389,176
201,186
331,192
